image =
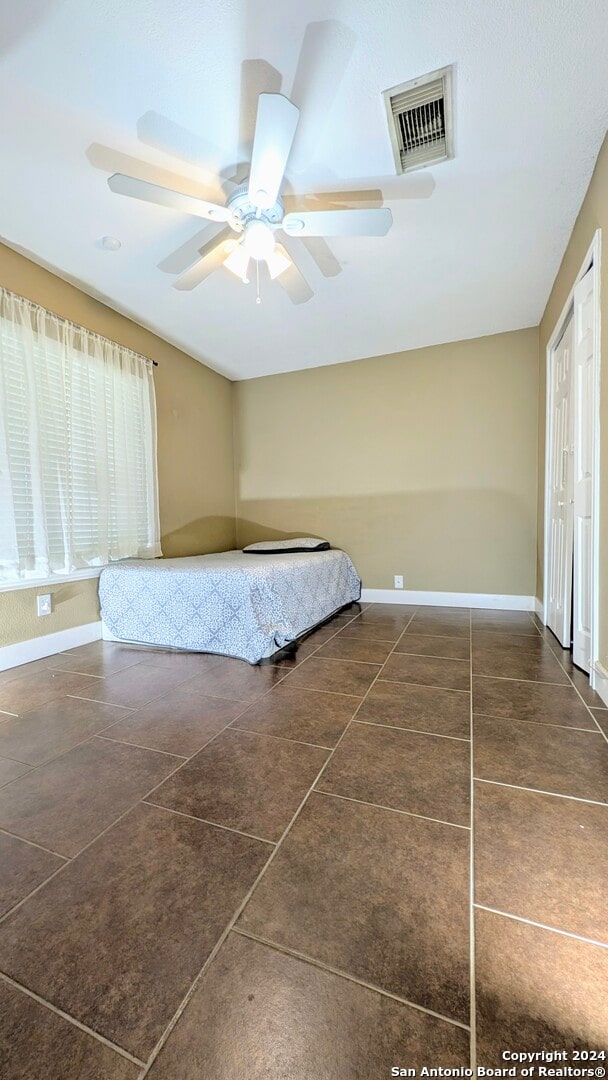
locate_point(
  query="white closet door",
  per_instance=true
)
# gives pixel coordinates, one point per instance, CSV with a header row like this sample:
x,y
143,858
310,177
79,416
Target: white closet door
x,y
584,364
560,569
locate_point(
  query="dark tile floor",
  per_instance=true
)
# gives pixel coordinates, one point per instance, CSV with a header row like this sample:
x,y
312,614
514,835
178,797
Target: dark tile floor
x,y
214,871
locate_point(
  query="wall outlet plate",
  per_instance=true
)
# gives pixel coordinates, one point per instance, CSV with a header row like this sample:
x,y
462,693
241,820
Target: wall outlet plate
x,y
44,604
398,581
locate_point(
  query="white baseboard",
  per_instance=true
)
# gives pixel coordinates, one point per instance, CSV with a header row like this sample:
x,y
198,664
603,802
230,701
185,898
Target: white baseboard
x,y
23,652
601,682
538,607
448,599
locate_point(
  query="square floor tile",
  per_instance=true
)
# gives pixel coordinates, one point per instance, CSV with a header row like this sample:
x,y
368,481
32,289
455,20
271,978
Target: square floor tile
x,y
536,990
540,702
135,686
38,1044
421,774
534,661
379,895
541,756
542,857
253,783
10,770
429,645
241,1020
179,723
343,648
422,708
236,680
334,676
303,715
52,729
22,868
24,691
66,803
428,671
135,917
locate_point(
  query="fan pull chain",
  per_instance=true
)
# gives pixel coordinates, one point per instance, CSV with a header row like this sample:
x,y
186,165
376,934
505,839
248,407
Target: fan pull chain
x,y
258,298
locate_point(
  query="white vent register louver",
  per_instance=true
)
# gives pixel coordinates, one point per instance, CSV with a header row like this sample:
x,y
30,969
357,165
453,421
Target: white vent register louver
x,y
420,120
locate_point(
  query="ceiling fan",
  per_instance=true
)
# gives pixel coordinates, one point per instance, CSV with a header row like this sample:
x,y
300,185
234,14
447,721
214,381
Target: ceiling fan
x,y
254,211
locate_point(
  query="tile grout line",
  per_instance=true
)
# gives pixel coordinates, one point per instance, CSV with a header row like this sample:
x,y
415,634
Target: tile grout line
x,y
287,951
540,791
424,686
415,731
32,843
390,809
535,682
69,1019
575,687
472,971
206,821
110,704
267,735
538,723
176,1016
543,926
136,746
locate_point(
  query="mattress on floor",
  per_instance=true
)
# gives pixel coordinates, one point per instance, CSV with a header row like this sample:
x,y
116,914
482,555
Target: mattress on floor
x,y
246,606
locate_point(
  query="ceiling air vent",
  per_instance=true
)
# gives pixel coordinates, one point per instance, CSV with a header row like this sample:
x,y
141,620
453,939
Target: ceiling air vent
x,y
420,120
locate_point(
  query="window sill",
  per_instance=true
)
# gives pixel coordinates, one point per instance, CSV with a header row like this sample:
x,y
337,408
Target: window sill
x,y
55,579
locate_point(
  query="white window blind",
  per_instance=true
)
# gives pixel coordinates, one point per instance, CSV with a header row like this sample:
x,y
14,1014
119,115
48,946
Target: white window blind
x,y
78,478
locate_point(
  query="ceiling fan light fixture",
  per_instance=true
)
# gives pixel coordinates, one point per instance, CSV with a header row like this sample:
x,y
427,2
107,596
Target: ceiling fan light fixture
x,y
277,263
238,262
259,239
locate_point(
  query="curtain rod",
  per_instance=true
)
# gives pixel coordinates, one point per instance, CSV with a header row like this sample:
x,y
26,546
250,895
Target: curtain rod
x,y
77,326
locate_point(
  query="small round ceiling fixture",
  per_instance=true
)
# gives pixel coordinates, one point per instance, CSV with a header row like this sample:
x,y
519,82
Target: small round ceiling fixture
x,y
110,243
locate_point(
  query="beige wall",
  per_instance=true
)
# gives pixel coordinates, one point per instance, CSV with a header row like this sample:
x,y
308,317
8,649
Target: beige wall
x,y
195,452
593,215
421,463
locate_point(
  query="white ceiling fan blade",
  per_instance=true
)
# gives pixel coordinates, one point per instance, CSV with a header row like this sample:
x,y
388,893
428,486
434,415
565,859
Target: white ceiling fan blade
x,y
161,196
292,280
275,128
212,256
375,222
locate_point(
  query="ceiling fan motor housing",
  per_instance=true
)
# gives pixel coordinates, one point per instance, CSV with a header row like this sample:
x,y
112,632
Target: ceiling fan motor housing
x,y
243,210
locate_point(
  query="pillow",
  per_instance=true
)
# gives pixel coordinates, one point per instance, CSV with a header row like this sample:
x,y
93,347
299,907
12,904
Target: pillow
x,y
287,547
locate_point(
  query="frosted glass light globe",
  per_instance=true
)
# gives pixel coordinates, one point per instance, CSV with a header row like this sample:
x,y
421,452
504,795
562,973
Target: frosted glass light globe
x,y
259,239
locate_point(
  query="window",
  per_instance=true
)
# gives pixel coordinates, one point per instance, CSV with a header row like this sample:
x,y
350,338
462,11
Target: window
x,y
78,483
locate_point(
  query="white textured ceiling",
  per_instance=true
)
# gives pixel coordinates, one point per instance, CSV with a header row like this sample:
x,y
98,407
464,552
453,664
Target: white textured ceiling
x,y
173,84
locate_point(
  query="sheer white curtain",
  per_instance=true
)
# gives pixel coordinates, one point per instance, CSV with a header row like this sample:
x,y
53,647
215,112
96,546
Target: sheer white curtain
x,y
78,477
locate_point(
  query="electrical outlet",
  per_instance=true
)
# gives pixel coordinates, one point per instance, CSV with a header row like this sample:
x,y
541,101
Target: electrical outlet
x,y
398,581
44,604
